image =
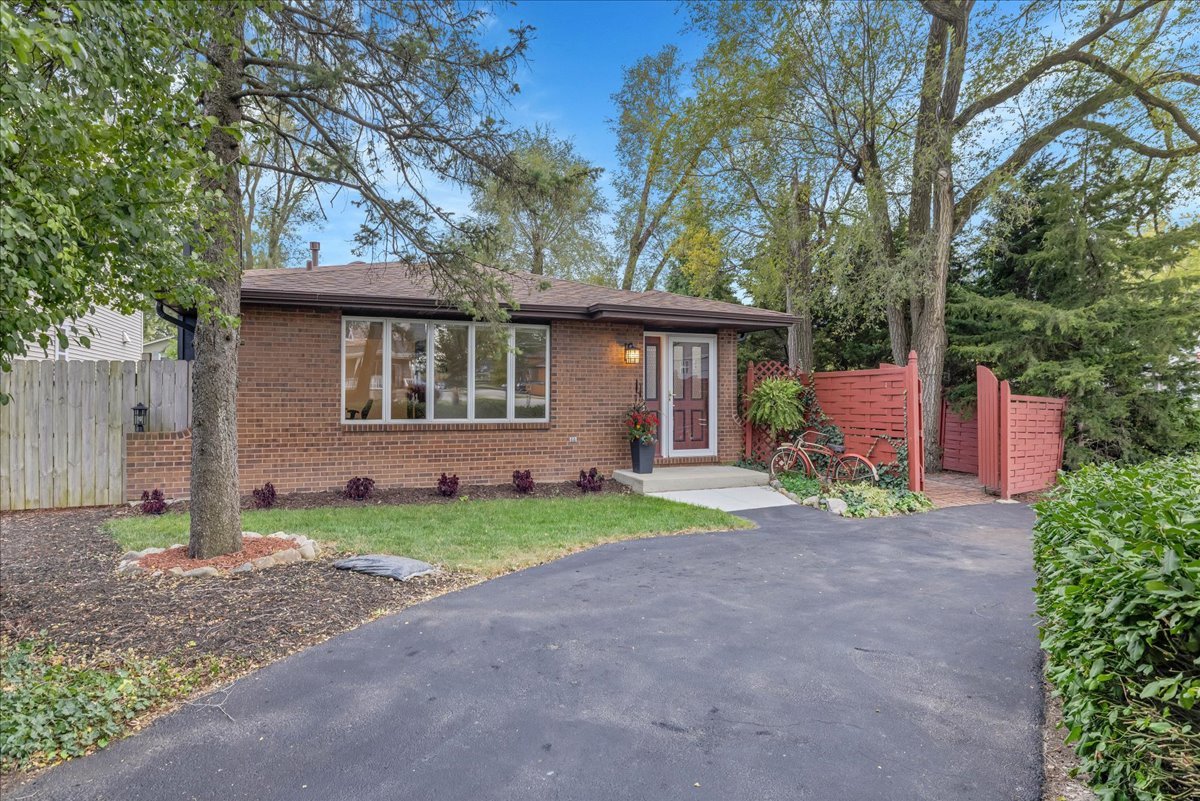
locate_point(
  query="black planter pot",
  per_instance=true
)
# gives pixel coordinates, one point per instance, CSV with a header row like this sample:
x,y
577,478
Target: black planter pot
x,y
642,456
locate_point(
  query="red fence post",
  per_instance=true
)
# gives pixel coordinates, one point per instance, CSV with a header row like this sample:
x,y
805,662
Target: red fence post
x,y
987,400
747,428
1005,444
913,436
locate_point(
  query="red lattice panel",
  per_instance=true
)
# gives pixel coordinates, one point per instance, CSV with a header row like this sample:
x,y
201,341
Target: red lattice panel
x,y
863,404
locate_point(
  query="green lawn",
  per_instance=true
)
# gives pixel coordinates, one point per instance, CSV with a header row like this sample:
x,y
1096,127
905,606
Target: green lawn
x,y
487,537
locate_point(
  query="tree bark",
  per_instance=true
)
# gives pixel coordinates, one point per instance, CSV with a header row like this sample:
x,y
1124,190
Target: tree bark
x,y
798,279
216,525
931,335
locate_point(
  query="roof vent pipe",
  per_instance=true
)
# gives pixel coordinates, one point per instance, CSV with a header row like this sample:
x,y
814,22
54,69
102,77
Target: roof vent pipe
x,y
315,249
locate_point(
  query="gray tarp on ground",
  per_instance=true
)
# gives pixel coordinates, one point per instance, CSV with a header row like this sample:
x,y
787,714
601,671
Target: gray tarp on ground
x,y
400,568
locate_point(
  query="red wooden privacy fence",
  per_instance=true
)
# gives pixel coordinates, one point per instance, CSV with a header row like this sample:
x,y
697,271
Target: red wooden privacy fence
x,y
864,404
1014,442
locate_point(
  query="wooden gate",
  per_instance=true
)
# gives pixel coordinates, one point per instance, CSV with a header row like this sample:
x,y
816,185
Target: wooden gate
x,y
62,433
1018,439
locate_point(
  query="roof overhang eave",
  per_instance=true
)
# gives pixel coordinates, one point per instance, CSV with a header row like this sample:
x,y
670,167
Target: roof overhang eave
x,y
608,312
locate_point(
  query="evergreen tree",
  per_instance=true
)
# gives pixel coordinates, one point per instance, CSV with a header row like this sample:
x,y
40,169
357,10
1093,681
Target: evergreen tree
x,y
1082,289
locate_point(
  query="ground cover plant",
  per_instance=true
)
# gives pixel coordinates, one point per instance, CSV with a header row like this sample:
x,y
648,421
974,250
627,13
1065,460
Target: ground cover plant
x,y
487,537
1117,551
862,499
54,708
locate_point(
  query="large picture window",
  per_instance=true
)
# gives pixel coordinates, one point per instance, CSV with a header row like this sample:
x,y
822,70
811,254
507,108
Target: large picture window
x,y
402,371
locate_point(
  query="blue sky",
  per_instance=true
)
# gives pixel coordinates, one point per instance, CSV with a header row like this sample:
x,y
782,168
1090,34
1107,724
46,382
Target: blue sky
x,y
574,67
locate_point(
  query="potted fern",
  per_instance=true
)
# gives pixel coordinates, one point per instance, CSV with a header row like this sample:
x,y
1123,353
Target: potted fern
x,y
641,427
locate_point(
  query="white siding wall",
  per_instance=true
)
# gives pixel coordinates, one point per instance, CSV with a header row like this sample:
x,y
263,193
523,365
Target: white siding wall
x,y
113,336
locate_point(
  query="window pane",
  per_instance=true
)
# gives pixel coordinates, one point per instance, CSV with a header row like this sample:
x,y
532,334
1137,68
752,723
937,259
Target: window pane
x,y
409,372
651,372
491,372
530,400
364,370
450,372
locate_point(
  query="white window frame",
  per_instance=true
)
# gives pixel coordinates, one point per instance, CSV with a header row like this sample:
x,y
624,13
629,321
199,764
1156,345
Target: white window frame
x,y
431,375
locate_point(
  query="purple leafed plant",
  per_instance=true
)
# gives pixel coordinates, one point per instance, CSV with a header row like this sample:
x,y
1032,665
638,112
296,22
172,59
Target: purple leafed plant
x,y
264,496
359,489
523,481
591,481
153,503
447,486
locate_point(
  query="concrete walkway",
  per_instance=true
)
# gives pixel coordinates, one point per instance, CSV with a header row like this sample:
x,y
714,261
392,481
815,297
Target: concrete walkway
x,y
735,499
814,657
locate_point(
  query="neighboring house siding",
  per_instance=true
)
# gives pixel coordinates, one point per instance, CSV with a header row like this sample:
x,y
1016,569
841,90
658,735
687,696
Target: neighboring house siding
x,y
113,336
290,404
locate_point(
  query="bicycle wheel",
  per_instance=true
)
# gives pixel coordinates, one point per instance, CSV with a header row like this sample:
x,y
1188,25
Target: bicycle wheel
x,y
788,459
853,468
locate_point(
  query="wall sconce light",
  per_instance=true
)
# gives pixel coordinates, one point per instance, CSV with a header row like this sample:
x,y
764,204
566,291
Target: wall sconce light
x,y
633,354
139,416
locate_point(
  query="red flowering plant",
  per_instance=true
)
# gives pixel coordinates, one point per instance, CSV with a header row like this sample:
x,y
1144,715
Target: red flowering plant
x,y
641,425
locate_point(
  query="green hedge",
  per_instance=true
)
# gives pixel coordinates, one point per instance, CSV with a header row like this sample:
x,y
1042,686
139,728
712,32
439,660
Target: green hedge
x,y
1117,551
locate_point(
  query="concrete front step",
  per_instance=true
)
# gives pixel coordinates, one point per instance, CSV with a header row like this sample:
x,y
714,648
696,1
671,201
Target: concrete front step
x,y
690,477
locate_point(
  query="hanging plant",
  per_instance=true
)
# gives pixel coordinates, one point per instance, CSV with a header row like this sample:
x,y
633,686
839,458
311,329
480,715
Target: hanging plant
x,y
778,405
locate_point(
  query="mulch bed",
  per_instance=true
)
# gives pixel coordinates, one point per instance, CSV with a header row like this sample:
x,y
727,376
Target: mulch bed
x,y
58,580
251,549
396,496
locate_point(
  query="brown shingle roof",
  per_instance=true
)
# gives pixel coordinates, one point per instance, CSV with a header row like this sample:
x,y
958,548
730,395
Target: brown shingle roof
x,y
395,288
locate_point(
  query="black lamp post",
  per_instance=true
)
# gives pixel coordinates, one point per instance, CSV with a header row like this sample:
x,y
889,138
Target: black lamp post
x,y
139,416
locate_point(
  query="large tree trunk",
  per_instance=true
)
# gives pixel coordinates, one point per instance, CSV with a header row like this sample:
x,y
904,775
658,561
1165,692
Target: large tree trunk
x,y
931,335
216,526
798,279
897,333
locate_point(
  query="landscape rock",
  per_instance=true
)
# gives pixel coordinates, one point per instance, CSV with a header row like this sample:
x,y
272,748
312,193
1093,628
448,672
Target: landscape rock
x,y
176,571
148,551
812,500
283,535
244,567
251,535
130,556
263,562
200,572
130,568
307,551
286,557
836,505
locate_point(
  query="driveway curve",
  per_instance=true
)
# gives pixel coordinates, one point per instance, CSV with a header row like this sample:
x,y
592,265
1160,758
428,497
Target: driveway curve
x,y
810,658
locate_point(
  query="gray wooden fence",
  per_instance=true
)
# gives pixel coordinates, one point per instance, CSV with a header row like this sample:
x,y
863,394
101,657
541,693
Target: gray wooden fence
x,y
62,433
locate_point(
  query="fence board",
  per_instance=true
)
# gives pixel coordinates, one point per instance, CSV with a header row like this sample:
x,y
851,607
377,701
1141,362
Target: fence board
x,y
62,435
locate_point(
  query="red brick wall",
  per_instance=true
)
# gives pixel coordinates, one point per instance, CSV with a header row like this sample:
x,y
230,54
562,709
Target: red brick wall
x,y
289,407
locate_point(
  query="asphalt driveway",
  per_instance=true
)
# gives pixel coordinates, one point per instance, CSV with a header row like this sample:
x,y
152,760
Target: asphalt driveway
x,y
811,658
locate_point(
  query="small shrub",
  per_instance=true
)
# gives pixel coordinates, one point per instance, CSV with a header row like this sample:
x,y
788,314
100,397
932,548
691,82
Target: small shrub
x,y
359,489
153,502
523,481
591,481
777,404
264,496
447,486
1117,553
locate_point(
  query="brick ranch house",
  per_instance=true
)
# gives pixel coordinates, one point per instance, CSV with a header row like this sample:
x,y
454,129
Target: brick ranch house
x,y
359,370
